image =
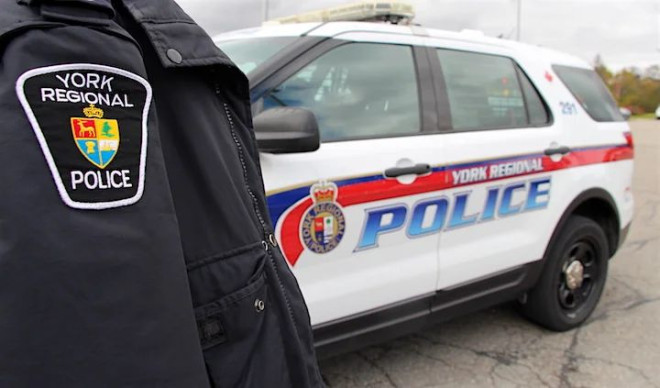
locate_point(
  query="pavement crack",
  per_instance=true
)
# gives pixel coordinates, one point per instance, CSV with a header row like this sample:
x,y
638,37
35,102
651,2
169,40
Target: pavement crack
x,y
631,305
426,338
638,245
625,366
640,302
374,364
428,356
500,358
570,364
650,215
638,294
493,372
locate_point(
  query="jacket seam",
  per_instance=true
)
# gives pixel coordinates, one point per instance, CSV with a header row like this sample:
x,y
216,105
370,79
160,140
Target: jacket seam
x,y
167,21
159,40
229,301
225,255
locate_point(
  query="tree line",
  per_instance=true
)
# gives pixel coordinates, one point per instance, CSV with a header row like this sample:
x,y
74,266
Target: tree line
x,y
634,88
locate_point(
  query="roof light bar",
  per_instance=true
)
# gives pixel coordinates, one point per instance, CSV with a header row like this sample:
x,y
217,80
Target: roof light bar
x,y
396,12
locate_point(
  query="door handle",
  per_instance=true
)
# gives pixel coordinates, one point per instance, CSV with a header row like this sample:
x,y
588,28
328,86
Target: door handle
x,y
418,169
562,150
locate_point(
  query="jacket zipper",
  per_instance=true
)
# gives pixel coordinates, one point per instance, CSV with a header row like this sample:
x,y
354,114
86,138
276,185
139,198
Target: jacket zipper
x,y
269,241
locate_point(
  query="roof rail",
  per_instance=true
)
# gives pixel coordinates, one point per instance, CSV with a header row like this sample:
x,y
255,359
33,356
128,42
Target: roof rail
x,y
395,12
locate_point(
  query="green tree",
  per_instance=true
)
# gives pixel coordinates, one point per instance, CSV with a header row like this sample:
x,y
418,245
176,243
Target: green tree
x,y
602,70
106,130
635,88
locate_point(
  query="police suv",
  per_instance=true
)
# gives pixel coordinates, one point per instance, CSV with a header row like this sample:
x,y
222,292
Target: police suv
x,y
440,173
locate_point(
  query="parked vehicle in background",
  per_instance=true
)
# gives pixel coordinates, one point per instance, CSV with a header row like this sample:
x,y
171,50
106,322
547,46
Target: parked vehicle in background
x,y
657,113
625,113
440,173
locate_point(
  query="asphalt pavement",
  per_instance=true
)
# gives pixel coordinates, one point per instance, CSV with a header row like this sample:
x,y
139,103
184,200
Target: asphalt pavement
x,y
618,346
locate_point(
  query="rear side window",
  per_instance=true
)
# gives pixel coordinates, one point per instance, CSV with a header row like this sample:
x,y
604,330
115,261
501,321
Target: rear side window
x,y
488,92
588,89
536,110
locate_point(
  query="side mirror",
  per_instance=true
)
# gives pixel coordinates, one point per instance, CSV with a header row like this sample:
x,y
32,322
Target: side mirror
x,y
286,130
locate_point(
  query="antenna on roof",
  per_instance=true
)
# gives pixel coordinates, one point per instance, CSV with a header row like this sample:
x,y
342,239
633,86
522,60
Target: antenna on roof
x,y
394,12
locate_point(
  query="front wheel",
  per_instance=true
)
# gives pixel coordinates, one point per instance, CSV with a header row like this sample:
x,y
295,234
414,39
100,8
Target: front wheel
x,y
573,277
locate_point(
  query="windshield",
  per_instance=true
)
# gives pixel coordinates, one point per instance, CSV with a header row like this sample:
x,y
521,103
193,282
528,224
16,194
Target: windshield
x,y
248,54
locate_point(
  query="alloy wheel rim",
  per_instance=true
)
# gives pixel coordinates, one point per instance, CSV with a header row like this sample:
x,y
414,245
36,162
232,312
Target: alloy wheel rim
x,y
579,275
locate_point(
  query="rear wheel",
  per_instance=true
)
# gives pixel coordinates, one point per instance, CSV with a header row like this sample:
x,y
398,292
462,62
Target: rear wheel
x,y
573,277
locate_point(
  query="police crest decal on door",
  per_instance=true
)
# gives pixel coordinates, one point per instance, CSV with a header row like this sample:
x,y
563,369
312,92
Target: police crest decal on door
x,y
91,123
323,225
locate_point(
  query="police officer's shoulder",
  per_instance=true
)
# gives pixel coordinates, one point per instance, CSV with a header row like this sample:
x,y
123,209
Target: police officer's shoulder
x,y
178,40
22,15
180,43
14,15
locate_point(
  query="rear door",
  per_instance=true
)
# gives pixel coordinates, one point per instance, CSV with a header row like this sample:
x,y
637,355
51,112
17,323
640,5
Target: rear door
x,y
496,160
341,211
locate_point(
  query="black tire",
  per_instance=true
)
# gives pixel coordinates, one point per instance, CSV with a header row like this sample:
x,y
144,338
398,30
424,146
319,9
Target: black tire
x,y
556,303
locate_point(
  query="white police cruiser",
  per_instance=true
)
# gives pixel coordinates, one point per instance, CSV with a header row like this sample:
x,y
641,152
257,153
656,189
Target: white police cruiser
x,y
440,173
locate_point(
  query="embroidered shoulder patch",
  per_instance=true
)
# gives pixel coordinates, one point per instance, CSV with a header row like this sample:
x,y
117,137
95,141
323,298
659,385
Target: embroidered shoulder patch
x,y
91,123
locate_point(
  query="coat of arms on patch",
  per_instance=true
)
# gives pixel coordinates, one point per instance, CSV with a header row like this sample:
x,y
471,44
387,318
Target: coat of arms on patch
x,y
96,138
323,226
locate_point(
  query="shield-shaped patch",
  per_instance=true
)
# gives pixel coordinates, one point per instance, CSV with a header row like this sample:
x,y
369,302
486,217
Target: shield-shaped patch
x,y
97,139
91,123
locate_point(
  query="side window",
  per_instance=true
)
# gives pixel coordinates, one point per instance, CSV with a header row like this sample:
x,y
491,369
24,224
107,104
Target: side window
x,y
483,90
536,109
357,90
590,92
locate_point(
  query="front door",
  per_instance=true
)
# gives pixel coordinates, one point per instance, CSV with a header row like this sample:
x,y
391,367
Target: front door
x,y
341,212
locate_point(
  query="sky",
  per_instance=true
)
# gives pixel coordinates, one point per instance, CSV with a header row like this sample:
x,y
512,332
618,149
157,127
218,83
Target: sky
x,y
625,33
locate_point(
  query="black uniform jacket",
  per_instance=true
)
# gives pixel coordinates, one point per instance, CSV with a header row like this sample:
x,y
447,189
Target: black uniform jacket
x,y
136,249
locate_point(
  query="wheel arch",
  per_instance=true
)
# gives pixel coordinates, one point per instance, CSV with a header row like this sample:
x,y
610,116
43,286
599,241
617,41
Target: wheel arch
x,y
598,205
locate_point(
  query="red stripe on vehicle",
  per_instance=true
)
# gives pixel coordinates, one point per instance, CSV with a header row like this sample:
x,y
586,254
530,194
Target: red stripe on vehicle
x,y
379,190
291,245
